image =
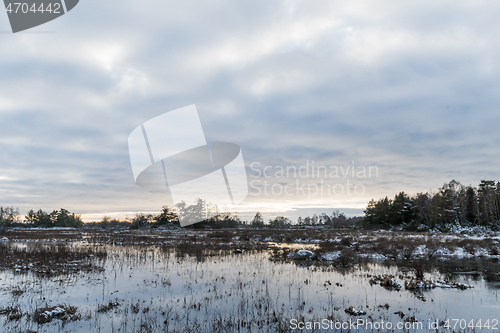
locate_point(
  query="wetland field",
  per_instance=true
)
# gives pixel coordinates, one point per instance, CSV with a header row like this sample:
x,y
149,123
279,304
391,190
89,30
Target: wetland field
x,y
247,280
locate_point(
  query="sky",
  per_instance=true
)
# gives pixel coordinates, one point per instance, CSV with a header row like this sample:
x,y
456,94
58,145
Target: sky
x,y
406,88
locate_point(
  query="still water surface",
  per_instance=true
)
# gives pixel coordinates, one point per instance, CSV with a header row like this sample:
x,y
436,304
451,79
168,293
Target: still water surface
x,y
161,290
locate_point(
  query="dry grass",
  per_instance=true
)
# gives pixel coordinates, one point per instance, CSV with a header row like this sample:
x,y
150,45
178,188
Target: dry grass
x,y
347,258
62,312
13,313
201,243
418,269
67,235
260,313
102,308
50,260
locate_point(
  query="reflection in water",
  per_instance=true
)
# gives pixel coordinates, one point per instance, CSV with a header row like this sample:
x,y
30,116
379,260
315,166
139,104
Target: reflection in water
x,y
164,289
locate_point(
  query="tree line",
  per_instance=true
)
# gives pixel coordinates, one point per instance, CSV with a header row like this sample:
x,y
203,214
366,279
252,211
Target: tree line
x,y
453,205
208,215
212,218
336,220
10,217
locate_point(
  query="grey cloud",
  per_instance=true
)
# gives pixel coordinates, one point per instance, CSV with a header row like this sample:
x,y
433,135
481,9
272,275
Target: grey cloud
x,y
410,87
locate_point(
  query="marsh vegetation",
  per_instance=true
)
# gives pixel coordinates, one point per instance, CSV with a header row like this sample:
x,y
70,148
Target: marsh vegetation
x,y
240,280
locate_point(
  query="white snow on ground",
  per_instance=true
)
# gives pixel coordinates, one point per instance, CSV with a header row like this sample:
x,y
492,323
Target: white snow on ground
x,y
355,312
467,235
373,256
396,284
442,252
330,256
55,312
301,254
304,253
460,253
420,251
482,252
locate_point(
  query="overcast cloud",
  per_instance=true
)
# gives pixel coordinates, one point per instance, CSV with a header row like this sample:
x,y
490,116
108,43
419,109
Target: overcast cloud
x,y
408,86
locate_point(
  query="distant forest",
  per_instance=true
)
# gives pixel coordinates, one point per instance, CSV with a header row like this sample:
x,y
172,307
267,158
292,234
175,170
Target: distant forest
x,y
168,218
452,206
9,217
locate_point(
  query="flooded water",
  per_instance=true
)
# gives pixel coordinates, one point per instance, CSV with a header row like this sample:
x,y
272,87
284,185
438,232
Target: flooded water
x,y
155,289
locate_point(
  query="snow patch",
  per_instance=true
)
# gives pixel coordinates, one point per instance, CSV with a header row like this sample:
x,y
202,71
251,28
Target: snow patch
x,y
330,256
